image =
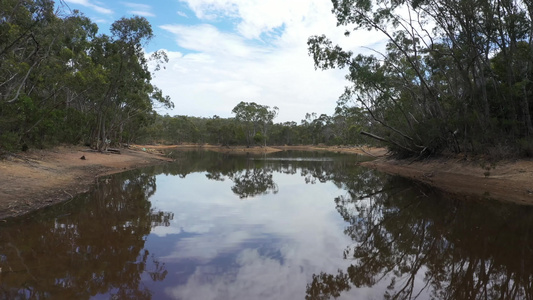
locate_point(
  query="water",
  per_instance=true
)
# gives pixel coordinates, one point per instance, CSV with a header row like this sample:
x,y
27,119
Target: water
x,y
288,225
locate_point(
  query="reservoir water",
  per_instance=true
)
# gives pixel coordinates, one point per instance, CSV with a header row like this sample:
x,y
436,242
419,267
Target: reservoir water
x,y
288,225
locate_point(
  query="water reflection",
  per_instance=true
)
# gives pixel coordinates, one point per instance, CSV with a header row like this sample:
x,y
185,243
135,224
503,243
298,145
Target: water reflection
x,y
422,245
256,177
89,246
313,225
252,181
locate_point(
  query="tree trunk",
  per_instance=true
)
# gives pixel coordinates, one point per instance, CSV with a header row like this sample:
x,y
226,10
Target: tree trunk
x,y
527,115
387,141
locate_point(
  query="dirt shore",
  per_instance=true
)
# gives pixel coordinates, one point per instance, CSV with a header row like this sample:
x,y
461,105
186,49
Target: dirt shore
x,y
158,149
39,178
503,180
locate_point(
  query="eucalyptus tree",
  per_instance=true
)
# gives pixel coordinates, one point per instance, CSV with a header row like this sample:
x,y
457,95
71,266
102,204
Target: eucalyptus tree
x,y
38,55
317,129
255,119
182,129
223,131
348,122
62,82
214,130
126,93
434,87
285,133
22,46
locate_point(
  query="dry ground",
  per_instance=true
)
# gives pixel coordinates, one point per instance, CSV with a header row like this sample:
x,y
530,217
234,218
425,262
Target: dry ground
x,y
39,178
377,152
503,180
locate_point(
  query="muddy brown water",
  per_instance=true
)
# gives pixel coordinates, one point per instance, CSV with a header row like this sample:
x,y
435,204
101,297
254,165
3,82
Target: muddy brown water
x,y
288,225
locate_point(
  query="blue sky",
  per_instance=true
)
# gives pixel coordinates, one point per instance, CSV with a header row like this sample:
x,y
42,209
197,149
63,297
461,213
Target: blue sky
x,y
223,52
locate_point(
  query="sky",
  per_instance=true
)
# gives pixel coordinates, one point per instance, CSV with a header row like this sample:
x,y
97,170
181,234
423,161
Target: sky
x,y
222,52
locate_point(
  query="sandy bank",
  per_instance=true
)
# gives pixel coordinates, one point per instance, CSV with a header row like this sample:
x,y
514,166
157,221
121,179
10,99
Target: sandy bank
x,y
158,149
503,180
39,178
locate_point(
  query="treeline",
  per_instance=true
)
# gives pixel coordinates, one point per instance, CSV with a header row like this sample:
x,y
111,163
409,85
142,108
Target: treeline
x,y
253,125
455,75
62,82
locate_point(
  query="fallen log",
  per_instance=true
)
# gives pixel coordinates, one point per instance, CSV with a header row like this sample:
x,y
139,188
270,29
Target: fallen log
x,y
386,141
113,150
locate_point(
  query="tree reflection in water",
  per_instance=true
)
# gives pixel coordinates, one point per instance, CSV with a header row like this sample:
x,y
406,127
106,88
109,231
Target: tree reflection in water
x,y
253,182
409,242
250,178
430,247
254,176
93,245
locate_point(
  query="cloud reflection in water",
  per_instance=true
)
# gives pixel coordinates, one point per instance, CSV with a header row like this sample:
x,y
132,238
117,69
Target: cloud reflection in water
x,y
272,244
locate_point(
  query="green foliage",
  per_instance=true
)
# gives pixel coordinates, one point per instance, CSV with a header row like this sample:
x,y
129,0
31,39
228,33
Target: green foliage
x,y
259,138
323,129
436,89
253,118
10,141
526,147
61,82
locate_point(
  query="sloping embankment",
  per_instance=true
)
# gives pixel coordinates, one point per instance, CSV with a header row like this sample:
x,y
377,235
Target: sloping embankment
x,y
505,180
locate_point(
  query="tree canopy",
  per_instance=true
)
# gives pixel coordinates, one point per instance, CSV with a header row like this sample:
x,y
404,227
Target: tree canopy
x,y
61,81
454,75
255,118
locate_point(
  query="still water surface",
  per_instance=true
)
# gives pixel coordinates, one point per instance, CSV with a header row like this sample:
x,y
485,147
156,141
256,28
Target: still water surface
x,y
288,225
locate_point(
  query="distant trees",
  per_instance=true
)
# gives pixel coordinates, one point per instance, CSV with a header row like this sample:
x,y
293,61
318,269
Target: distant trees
x,y
62,82
254,126
186,129
255,119
455,75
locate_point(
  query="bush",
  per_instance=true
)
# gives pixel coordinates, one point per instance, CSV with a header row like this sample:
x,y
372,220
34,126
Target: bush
x,y
526,147
10,141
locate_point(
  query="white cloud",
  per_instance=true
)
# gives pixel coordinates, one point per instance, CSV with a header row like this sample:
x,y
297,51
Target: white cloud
x,y
262,57
141,13
264,16
208,39
143,10
213,9
101,21
265,60
96,6
137,6
182,14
